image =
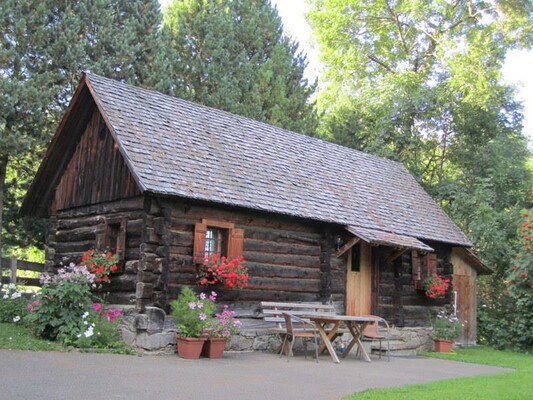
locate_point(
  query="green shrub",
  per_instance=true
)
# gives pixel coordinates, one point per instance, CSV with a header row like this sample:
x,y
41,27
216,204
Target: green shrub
x,y
13,304
193,313
100,330
64,298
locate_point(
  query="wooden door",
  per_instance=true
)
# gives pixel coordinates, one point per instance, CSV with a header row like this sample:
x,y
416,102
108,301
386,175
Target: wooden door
x,y
465,287
359,280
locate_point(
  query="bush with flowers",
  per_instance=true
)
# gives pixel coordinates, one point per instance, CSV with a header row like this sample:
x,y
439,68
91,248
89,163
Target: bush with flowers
x,y
99,329
446,325
65,310
12,304
224,324
101,264
436,286
193,312
64,297
231,273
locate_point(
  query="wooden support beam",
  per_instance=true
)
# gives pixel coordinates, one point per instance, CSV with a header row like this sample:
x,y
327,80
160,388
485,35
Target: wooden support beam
x,y
394,255
347,246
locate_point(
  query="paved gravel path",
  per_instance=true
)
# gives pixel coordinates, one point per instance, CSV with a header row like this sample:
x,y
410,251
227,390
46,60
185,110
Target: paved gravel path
x,y
73,375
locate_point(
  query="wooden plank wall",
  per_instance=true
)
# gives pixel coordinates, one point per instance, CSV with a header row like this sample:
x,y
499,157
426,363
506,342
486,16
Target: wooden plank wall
x,y
73,231
283,255
96,172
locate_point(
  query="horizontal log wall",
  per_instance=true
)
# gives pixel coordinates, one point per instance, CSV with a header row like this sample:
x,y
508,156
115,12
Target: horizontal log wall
x,y
73,231
283,255
398,301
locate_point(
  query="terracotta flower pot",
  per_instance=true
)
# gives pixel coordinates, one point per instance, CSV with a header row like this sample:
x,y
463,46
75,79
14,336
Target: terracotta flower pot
x,y
214,347
443,345
190,348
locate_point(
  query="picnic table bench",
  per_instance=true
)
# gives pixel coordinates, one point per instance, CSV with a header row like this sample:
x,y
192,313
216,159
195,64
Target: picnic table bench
x,y
273,312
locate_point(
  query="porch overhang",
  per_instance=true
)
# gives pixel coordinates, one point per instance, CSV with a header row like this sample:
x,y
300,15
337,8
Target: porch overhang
x,y
390,239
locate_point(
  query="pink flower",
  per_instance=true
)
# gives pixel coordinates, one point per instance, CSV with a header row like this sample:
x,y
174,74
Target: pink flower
x,y
203,316
97,307
192,305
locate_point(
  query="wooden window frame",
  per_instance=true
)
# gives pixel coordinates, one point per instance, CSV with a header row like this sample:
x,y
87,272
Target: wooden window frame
x,y
423,266
113,227
235,245
356,258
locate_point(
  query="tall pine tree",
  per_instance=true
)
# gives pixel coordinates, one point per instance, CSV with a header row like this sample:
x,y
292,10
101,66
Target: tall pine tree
x,y
233,55
46,44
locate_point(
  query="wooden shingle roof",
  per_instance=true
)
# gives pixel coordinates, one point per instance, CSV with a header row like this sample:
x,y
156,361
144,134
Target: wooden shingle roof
x,y
179,148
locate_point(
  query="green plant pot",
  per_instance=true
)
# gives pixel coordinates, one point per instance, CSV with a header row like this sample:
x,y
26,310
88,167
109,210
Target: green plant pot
x,y
190,348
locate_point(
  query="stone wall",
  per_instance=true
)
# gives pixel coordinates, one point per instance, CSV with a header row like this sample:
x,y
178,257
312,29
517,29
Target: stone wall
x,y
154,332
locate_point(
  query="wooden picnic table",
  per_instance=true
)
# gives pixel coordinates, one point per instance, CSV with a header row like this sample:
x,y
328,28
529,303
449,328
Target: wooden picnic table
x,y
355,325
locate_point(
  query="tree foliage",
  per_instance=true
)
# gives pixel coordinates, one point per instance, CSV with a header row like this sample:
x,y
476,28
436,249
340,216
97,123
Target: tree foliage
x,y
232,55
45,46
421,82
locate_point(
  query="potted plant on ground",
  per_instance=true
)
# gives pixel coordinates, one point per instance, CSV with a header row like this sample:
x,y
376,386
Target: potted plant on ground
x,y
447,328
192,313
220,329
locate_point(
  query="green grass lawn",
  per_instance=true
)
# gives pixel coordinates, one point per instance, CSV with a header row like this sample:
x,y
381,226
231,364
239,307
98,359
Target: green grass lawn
x,y
515,385
17,337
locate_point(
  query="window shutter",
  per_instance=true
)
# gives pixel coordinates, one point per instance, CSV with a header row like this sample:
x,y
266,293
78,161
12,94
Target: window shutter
x,y
199,243
415,262
121,240
235,243
431,264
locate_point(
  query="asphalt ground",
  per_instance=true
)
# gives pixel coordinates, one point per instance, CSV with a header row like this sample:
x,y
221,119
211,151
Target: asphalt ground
x,y
238,375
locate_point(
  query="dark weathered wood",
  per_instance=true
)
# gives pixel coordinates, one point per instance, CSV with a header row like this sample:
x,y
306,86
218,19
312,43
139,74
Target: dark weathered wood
x,y
282,248
273,270
76,234
281,235
282,259
235,243
96,172
279,284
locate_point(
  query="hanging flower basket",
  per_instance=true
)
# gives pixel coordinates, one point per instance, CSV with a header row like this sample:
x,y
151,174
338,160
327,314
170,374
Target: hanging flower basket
x,y
435,286
231,273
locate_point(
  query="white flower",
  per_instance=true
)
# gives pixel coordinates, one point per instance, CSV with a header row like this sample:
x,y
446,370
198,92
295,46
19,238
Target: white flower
x,y
11,286
6,297
85,323
16,319
89,332
85,314
15,295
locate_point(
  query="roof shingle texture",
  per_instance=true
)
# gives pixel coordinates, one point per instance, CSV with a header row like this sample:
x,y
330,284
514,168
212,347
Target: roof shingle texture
x,y
179,148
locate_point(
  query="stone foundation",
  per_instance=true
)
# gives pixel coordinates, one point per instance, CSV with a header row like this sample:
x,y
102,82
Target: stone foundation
x,y
154,332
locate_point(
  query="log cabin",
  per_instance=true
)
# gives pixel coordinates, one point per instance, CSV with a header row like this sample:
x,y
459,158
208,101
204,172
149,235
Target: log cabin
x,y
150,176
